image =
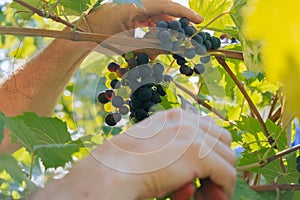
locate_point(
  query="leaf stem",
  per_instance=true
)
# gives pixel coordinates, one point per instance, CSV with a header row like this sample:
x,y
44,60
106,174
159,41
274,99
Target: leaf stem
x,y
253,108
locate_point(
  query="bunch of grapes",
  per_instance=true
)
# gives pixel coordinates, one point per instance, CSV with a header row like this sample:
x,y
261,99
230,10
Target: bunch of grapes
x,y
143,79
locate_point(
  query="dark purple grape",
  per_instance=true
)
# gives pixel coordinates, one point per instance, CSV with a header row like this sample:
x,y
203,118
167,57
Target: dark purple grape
x,y
142,58
198,39
184,22
113,67
189,31
207,44
160,90
101,98
186,70
168,78
133,74
174,25
162,24
203,35
207,36
147,105
113,118
123,110
168,45
164,35
121,72
117,101
201,50
190,53
181,61
115,84
136,103
158,76
109,94
205,59
158,67
215,42
176,46
132,63
199,68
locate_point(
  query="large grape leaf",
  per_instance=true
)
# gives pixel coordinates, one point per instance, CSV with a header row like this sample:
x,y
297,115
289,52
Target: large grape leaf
x,y
243,191
75,7
209,9
55,155
46,137
23,12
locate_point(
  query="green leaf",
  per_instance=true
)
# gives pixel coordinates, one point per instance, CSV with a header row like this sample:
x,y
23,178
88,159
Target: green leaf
x,y
274,130
23,12
242,191
10,165
136,2
74,7
55,155
210,9
1,126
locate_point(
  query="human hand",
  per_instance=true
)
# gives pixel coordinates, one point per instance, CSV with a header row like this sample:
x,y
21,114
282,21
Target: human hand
x,y
174,138
111,18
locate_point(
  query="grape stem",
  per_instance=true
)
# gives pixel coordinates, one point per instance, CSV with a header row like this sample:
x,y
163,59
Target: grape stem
x,y
275,187
45,14
201,102
222,62
261,163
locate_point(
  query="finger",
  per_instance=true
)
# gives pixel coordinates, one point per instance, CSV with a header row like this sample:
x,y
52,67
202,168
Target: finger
x,y
209,191
185,192
221,173
214,144
158,7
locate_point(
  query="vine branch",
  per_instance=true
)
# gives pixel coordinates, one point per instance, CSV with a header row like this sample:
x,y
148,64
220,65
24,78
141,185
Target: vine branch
x,y
223,63
46,15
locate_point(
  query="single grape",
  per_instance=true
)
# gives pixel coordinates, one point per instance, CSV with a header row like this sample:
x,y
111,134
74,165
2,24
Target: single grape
x,y
168,78
112,119
158,67
148,79
133,74
215,42
203,35
181,33
117,101
205,59
101,98
129,55
207,36
145,70
113,67
181,61
168,45
174,25
115,84
156,97
201,50
142,58
184,69
190,53
189,31
198,39
164,35
160,90
184,22
121,72
144,94
112,75
140,114
132,63
162,24
207,44
123,110
199,68
158,77
109,94
176,46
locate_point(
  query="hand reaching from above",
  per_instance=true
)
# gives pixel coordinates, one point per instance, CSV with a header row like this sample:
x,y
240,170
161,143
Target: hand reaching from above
x,y
111,18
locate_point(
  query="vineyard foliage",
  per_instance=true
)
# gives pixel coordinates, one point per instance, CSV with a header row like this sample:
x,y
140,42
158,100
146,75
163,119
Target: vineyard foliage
x,y
266,80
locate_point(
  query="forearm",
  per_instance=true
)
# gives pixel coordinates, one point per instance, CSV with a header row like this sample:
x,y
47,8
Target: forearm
x,y
38,84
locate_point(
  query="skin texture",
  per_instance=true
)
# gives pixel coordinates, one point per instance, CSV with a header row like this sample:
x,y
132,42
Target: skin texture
x,y
39,83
